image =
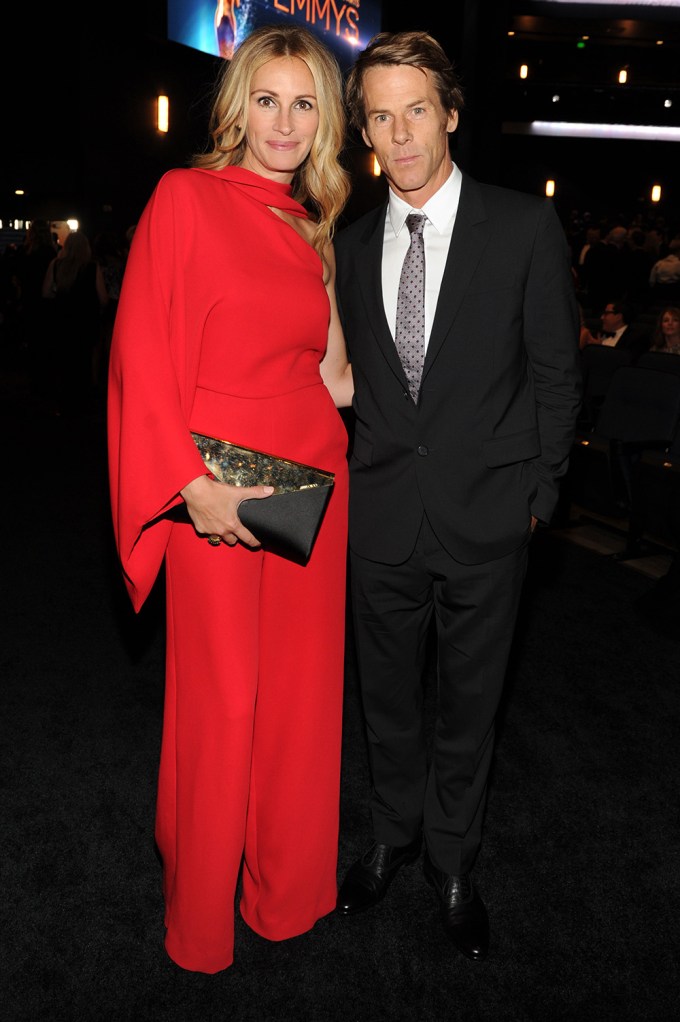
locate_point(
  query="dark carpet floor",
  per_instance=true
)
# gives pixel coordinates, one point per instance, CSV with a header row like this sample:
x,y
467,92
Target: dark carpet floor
x,y
580,860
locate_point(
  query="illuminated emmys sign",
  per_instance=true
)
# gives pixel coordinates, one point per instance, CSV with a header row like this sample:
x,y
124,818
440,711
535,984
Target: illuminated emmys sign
x,y
218,26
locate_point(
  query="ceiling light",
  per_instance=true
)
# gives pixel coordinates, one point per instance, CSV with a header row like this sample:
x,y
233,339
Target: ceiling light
x,y
578,129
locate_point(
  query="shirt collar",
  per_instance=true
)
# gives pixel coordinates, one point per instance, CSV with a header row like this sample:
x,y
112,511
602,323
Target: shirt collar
x,y
439,209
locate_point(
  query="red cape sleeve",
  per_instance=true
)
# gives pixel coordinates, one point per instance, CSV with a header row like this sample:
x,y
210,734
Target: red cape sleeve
x,y
152,378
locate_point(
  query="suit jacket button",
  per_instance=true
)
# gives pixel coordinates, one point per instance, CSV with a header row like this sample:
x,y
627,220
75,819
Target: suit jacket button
x,y
423,451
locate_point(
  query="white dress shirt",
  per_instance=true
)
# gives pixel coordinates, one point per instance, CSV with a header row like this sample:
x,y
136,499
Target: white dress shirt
x,y
440,211
611,342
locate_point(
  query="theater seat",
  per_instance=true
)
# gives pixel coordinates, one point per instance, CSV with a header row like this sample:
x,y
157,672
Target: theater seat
x,y
661,360
598,365
640,412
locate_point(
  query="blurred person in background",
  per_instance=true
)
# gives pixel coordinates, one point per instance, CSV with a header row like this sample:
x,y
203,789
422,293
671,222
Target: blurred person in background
x,y
666,335
76,292
33,259
664,276
60,232
110,251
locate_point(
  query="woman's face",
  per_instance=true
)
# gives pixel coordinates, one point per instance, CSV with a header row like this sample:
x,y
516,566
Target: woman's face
x,y
283,118
670,324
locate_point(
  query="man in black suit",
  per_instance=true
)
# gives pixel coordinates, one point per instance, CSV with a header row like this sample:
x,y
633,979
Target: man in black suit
x,y
618,330
454,462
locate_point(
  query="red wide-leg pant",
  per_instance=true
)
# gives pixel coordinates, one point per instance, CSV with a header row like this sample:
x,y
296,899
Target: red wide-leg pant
x,y
250,758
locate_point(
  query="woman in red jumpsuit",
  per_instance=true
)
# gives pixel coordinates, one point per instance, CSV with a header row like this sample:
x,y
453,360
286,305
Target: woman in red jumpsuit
x,y
227,325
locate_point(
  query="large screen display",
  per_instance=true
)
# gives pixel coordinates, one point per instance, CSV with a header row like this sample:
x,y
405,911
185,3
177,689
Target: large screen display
x,y
218,26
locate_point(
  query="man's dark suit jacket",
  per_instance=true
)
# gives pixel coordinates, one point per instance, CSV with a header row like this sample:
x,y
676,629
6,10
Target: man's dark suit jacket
x,y
495,421
636,338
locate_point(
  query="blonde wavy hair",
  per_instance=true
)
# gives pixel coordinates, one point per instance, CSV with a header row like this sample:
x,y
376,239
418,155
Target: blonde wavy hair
x,y
321,181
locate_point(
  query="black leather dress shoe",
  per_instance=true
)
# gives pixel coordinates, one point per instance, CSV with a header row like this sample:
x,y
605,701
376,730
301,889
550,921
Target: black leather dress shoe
x,y
367,880
462,911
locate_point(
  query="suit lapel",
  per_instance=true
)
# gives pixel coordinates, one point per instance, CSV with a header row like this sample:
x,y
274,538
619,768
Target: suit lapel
x,y
469,239
368,267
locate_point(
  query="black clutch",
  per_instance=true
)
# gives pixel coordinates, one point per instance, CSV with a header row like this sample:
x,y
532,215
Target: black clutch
x,y
288,521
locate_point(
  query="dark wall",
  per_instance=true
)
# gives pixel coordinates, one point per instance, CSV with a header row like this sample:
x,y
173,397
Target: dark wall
x,y
87,145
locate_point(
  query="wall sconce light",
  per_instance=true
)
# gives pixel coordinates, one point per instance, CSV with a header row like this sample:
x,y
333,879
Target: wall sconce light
x,y
623,76
524,71
656,193
375,167
163,113
550,188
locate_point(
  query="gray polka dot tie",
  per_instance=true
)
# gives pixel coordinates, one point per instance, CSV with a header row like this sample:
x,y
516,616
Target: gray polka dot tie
x,y
410,329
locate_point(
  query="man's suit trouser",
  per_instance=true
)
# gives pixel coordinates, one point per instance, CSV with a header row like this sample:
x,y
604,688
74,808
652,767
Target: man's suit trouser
x,y
475,610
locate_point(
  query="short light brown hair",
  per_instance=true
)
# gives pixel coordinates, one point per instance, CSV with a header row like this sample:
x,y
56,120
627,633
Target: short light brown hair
x,y
389,49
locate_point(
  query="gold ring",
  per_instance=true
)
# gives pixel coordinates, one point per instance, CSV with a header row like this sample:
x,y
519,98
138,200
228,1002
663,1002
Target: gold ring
x,y
214,540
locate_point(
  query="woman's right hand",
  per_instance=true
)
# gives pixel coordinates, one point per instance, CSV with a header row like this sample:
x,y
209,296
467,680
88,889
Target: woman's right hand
x,y
212,507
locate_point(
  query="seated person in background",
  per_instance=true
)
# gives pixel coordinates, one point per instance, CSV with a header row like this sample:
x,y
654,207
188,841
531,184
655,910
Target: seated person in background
x,y
639,265
666,336
593,237
664,277
603,270
618,330
586,336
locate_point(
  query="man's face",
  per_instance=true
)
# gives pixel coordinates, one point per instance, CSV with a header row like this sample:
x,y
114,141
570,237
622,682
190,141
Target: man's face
x,y
408,129
611,320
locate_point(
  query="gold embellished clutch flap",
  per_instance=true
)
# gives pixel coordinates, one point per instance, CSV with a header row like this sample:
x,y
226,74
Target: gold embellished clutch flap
x,y
288,521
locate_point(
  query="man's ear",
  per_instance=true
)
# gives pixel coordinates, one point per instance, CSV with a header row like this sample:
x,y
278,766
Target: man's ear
x,y
452,121
366,138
